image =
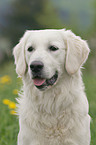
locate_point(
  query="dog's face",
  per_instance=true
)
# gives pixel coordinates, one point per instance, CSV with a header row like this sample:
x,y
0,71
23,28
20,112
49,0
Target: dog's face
x,y
44,53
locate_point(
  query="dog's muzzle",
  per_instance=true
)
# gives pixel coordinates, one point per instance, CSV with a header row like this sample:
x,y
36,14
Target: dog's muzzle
x,y
39,81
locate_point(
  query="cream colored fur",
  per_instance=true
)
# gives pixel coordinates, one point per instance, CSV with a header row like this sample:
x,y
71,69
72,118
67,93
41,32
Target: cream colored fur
x,y
58,115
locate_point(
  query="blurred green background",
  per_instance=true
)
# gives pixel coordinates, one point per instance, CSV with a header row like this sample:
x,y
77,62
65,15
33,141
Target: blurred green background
x,y
17,16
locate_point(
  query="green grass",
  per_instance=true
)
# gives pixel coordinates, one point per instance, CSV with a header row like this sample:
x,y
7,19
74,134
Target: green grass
x,y
90,85
9,123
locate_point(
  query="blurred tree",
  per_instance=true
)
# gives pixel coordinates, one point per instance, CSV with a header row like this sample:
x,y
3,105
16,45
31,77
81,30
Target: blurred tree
x,y
92,30
22,18
49,17
30,14
95,16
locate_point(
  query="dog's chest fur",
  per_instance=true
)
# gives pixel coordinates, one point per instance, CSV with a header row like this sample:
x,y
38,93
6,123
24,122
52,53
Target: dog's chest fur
x,y
44,120
49,114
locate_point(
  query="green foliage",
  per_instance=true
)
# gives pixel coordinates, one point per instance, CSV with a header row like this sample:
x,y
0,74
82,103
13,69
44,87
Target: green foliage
x,y
9,123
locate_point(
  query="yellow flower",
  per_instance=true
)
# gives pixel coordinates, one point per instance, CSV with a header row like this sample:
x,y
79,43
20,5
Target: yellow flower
x,y
5,79
12,105
6,101
15,91
13,112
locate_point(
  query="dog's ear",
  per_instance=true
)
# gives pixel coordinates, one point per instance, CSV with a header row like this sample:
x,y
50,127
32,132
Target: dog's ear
x,y
77,52
18,52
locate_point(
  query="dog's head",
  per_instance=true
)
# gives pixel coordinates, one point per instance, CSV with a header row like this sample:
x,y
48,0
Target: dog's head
x,y
45,54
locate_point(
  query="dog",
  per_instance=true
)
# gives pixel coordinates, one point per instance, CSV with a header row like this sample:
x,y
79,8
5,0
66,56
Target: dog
x,y
53,107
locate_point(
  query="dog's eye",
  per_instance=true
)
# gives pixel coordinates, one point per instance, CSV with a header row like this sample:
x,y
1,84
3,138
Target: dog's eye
x,y
30,49
53,48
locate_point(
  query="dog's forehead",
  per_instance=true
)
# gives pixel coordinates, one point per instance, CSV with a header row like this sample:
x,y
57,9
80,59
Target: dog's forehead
x,y
45,36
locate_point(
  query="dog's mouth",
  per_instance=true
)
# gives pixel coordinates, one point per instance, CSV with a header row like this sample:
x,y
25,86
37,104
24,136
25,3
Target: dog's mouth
x,y
42,83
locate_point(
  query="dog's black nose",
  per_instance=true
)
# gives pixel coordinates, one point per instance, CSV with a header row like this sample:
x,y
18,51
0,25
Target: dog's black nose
x,y
36,66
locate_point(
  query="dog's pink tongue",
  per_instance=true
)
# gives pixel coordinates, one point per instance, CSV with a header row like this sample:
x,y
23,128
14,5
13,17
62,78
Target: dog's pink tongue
x,y
38,82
